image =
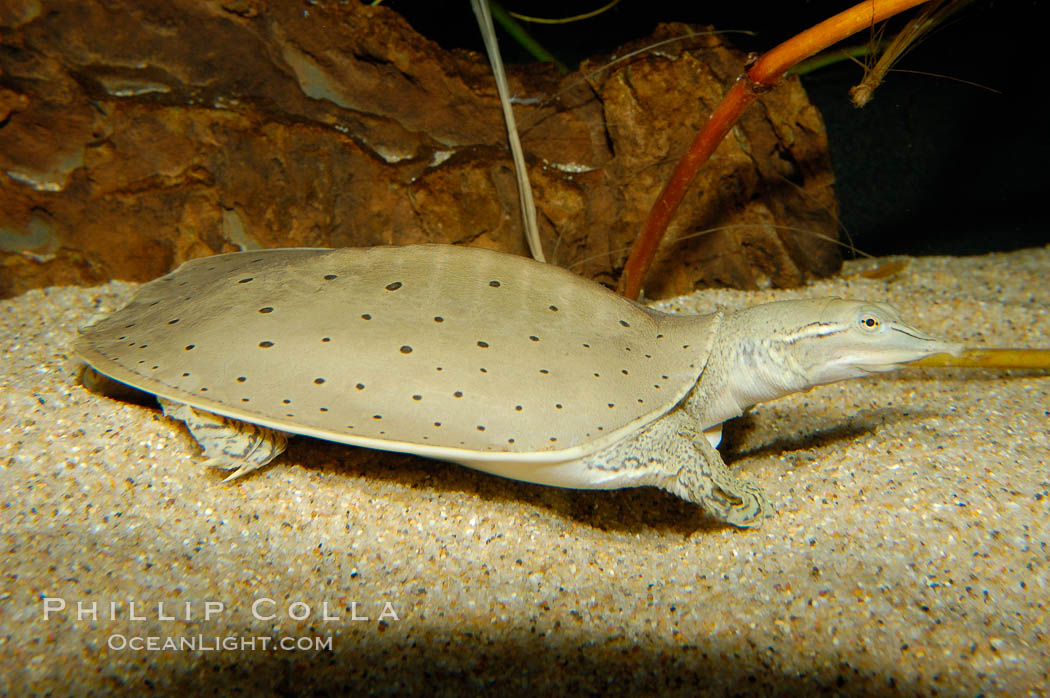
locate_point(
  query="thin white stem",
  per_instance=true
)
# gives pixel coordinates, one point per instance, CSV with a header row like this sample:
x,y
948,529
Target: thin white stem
x,y
528,206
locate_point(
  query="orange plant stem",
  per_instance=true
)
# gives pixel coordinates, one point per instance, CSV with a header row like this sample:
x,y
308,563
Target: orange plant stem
x,y
765,73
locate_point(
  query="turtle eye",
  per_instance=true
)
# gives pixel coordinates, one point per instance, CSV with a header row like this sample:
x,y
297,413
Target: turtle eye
x,y
870,322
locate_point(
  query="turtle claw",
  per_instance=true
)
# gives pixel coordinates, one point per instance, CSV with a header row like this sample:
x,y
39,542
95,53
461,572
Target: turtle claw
x,y
239,470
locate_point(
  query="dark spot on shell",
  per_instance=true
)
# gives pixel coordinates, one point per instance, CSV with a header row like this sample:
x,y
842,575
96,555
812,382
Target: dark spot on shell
x,y
267,309
494,284
438,318
366,316
483,345
625,323
244,281
241,379
330,277
360,386
417,397
393,286
189,347
318,381
405,349
266,344
534,338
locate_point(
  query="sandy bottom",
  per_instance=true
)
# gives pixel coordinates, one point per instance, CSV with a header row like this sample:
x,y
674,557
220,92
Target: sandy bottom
x,y
909,555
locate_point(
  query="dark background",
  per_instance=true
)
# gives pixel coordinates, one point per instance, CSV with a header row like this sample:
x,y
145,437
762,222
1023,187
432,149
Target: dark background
x,y
930,166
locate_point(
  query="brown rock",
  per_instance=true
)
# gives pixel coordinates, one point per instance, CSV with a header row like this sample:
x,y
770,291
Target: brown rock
x,y
136,135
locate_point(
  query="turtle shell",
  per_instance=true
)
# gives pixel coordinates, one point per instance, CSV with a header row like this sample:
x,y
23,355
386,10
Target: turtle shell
x,y
451,352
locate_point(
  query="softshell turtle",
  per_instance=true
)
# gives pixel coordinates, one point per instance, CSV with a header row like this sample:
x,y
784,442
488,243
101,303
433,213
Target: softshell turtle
x,y
491,360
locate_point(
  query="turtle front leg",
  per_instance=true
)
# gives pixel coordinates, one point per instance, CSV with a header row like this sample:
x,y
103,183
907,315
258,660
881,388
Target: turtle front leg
x,y
708,482
674,455
228,443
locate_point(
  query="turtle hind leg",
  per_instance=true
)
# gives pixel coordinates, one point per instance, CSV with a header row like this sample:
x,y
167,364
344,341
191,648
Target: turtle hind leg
x,y
228,444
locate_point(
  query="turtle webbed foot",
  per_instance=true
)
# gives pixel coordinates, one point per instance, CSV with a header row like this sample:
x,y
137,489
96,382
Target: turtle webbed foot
x,y
709,483
228,444
745,506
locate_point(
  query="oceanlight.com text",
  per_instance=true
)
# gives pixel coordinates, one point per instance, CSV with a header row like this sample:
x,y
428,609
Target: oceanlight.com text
x,y
216,643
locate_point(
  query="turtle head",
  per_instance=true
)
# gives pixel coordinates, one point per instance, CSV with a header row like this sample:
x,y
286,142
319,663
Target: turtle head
x,y
774,349
832,339
797,344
